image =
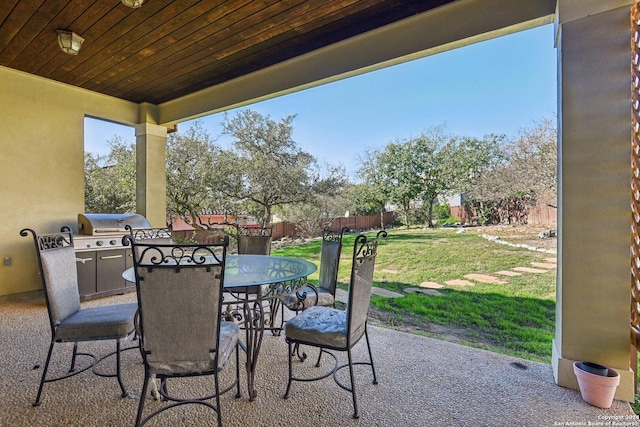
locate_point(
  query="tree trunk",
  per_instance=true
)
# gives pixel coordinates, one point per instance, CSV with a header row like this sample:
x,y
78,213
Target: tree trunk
x,y
267,218
430,215
406,207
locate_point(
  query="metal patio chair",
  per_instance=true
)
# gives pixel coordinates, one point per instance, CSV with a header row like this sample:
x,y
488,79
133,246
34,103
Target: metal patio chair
x,y
325,292
69,322
182,335
254,240
159,235
328,328
156,236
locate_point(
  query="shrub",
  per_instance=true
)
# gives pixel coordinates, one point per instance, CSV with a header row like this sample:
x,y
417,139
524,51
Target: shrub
x,y
441,212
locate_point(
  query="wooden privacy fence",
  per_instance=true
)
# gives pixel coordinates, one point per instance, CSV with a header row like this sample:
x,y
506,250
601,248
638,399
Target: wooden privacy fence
x,y
543,215
540,214
288,229
283,229
368,222
363,222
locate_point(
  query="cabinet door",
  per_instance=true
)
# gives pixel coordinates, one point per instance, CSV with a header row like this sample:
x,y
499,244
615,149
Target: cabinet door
x,y
86,266
109,268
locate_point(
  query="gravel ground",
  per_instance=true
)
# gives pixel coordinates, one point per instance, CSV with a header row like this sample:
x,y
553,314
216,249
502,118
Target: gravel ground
x,y
422,382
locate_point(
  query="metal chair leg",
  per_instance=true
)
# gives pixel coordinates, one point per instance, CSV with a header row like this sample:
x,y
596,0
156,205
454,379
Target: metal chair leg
x,y
44,374
373,368
238,394
73,357
142,397
286,393
217,390
296,352
353,385
125,393
319,357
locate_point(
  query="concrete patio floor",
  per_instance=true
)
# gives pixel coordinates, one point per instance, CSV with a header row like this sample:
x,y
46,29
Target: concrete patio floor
x,y
422,382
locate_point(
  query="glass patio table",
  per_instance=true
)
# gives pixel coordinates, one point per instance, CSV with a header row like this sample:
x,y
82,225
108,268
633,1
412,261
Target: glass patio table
x,y
252,285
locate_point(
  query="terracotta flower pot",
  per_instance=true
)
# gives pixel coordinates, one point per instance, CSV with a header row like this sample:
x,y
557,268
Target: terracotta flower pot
x,y
598,390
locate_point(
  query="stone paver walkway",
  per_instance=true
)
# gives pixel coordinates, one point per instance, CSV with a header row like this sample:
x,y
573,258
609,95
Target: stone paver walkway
x,y
425,291
431,288
484,278
343,296
459,282
385,293
509,273
431,285
548,265
530,270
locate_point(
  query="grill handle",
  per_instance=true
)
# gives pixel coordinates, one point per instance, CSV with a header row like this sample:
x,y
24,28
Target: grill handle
x,y
111,257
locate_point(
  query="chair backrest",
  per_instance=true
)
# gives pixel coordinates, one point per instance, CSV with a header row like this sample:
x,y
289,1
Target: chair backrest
x,y
364,259
160,237
57,262
330,259
179,290
254,240
157,234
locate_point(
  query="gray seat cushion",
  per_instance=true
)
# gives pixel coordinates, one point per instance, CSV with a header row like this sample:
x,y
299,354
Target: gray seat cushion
x,y
98,323
229,336
324,326
324,298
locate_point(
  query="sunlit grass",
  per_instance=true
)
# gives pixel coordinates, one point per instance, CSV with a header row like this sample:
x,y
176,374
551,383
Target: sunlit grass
x,y
516,318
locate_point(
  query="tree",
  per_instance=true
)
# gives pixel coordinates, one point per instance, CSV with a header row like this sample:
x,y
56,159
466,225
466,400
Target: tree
x,y
363,200
420,168
525,172
110,180
533,156
373,190
476,162
328,202
191,177
402,175
475,158
269,168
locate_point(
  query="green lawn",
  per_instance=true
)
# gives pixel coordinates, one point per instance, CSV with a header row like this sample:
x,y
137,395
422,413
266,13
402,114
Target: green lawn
x,y
516,318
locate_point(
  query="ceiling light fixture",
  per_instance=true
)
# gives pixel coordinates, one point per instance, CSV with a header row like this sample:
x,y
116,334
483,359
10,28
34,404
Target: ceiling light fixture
x,y
69,42
133,3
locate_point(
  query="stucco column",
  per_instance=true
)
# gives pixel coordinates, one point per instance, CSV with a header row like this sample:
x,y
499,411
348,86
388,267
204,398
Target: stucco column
x,y
594,134
151,181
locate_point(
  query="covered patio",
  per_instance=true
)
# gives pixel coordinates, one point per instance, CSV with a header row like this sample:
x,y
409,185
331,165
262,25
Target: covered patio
x,y
152,68
422,382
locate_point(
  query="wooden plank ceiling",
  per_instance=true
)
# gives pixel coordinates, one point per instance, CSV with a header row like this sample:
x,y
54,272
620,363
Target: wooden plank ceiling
x,y
170,48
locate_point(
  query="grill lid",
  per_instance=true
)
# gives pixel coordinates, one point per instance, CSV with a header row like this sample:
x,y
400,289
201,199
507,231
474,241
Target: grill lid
x,y
92,224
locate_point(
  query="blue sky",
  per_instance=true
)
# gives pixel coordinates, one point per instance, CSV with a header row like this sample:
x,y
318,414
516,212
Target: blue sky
x,y
498,86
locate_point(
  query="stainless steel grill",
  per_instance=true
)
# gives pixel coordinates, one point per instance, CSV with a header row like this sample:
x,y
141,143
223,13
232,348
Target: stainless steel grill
x,y
101,257
105,231
95,224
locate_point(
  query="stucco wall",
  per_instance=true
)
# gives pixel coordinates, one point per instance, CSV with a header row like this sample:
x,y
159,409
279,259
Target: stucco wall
x,y
594,194
41,165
